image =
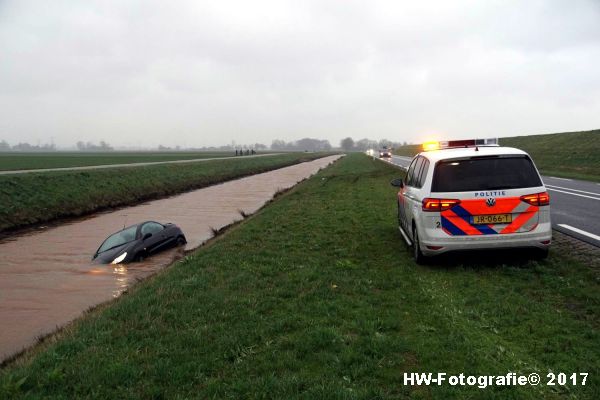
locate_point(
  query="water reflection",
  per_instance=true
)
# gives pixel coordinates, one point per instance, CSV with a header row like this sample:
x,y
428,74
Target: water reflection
x,y
120,272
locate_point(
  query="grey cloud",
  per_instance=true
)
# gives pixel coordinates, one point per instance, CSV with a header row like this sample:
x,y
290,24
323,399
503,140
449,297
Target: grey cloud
x,y
205,73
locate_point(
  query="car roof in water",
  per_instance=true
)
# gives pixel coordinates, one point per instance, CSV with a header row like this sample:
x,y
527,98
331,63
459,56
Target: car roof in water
x,y
134,225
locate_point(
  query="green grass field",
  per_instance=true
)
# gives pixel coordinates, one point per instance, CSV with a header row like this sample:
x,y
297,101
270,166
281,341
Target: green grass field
x,y
20,161
32,198
408,150
316,296
568,155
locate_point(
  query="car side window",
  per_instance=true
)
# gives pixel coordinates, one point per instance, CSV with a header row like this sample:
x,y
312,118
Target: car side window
x,y
418,169
423,173
151,227
409,172
413,178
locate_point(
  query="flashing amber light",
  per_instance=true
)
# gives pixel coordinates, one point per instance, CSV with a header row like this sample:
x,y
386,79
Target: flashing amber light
x,y
431,204
450,144
430,146
537,199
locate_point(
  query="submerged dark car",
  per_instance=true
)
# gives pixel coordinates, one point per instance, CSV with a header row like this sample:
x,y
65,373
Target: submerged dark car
x,y
137,242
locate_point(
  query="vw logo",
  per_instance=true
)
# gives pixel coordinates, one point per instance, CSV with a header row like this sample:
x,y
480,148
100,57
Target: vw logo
x,y
491,202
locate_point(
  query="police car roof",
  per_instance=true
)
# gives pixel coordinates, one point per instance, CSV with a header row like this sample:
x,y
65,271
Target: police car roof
x,y
462,152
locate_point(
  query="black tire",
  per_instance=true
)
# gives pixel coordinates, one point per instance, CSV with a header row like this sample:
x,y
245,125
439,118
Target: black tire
x,y
417,254
181,241
141,256
541,254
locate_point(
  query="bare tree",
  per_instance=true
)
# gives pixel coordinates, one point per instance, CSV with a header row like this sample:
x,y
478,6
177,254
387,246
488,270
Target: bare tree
x,y
347,144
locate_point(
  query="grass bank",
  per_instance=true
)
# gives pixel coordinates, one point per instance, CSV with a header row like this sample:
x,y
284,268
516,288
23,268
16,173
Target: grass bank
x,y
568,155
32,198
409,150
317,297
11,161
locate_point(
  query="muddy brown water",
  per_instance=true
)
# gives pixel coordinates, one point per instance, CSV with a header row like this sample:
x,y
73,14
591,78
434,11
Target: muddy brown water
x,y
47,279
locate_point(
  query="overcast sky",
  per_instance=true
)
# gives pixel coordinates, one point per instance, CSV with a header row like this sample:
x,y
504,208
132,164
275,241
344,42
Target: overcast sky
x,y
202,73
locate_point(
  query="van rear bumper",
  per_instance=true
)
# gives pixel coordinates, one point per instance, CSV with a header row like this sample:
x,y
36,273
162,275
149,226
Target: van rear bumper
x,y
539,238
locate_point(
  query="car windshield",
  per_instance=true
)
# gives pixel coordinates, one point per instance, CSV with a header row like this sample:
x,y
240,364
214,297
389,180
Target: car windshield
x,y
118,239
485,173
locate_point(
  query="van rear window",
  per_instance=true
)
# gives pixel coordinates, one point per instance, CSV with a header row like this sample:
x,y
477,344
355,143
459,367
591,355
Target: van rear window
x,y
485,173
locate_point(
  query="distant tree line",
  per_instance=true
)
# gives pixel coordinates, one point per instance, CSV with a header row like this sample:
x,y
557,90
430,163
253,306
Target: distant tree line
x,y
228,147
26,147
348,144
4,147
306,144
89,146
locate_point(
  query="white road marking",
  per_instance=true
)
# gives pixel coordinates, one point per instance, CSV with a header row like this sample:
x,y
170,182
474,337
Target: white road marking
x,y
574,190
390,161
562,179
574,194
584,233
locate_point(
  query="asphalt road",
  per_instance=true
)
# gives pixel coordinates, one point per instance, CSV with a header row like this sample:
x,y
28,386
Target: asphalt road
x,y
574,205
140,164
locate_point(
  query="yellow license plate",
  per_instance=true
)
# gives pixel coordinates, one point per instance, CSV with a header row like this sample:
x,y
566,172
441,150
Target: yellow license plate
x,y
491,219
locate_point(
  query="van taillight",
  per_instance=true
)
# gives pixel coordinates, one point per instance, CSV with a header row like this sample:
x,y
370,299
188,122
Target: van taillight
x,y
537,199
431,204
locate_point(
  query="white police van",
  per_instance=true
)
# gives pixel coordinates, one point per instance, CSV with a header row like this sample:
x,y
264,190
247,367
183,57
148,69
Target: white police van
x,y
473,194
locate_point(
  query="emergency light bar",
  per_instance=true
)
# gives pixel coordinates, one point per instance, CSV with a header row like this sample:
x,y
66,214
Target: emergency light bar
x,y
450,144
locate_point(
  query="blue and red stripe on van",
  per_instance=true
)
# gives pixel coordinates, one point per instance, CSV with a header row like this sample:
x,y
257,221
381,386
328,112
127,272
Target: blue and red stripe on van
x,y
457,221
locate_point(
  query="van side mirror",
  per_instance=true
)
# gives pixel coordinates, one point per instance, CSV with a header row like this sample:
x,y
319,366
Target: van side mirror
x,y
147,236
397,182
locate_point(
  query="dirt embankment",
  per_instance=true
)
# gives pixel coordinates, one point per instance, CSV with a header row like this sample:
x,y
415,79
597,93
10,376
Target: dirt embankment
x,y
33,199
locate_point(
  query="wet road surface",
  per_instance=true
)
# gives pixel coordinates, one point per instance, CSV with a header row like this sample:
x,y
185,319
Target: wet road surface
x,y
47,279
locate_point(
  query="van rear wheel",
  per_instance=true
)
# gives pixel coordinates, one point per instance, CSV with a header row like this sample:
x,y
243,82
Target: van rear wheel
x,y
417,254
541,254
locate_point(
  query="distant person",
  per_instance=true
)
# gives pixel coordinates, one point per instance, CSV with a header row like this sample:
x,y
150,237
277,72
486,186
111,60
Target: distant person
x,y
236,152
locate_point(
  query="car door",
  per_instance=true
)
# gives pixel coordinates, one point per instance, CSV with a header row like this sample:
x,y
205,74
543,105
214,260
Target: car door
x,y
412,191
402,199
154,242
